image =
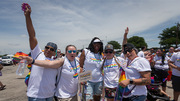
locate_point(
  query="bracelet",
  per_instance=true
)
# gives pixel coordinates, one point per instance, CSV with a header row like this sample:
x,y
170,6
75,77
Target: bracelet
x,y
33,61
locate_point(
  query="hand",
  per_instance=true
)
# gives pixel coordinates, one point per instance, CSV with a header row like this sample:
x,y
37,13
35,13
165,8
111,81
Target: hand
x,y
124,83
126,31
27,58
27,11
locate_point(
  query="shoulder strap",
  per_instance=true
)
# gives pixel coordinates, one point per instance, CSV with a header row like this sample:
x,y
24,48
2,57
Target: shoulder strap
x,y
116,61
59,76
38,55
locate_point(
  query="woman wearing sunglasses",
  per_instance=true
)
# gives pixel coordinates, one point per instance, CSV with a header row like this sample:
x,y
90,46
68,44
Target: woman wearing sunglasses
x,y
110,69
91,59
67,81
138,74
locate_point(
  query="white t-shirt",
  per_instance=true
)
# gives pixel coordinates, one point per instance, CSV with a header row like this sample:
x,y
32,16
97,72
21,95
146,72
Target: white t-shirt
x,y
93,62
68,83
111,72
176,59
141,54
42,80
139,64
158,62
122,55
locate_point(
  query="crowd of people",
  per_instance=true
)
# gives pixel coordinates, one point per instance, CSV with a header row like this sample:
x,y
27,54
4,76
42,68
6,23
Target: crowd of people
x,y
54,76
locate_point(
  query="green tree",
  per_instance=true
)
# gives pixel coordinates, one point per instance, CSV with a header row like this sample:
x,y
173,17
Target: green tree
x,y
137,41
170,37
115,44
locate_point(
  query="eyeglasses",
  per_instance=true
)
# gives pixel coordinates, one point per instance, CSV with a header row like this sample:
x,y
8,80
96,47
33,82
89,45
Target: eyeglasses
x,y
108,52
127,50
51,49
70,51
58,52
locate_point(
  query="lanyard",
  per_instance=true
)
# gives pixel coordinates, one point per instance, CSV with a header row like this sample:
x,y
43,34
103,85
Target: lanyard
x,y
73,67
129,61
97,58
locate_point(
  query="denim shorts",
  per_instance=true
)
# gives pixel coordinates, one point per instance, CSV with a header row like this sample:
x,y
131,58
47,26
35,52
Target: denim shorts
x,y
40,99
93,88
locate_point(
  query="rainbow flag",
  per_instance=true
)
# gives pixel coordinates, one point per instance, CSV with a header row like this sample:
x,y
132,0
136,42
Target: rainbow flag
x,y
121,91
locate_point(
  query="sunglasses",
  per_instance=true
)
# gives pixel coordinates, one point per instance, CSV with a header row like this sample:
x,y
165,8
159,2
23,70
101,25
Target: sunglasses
x,y
127,50
108,52
70,51
51,49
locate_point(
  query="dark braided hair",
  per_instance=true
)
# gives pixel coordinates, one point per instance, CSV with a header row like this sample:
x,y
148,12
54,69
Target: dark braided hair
x,y
163,55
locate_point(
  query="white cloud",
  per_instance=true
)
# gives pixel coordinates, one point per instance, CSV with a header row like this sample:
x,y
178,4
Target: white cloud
x,y
78,21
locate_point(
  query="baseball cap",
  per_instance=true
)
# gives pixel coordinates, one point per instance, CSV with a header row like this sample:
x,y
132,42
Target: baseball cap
x,y
128,47
52,45
109,46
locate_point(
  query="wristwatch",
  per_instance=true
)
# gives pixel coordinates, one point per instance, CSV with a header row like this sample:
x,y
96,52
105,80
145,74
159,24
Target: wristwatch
x,y
131,81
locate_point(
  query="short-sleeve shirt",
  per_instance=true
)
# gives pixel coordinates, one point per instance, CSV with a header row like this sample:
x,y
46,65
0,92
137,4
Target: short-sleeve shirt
x,y
68,82
111,72
132,71
176,59
158,63
42,80
141,54
93,62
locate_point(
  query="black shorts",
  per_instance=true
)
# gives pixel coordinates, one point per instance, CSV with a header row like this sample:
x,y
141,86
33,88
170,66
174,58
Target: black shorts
x,y
176,83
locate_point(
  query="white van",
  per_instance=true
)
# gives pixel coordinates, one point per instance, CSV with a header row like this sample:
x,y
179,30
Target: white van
x,y
7,60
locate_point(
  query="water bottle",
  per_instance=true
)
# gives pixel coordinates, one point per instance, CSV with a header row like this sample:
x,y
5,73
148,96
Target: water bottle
x,y
21,67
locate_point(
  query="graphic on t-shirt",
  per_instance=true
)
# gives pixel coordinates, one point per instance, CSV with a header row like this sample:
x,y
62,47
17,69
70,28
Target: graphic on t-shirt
x,y
95,60
178,60
110,66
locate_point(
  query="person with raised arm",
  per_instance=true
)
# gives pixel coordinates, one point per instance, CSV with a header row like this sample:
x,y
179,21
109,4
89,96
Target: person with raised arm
x,y
67,80
41,85
124,42
138,75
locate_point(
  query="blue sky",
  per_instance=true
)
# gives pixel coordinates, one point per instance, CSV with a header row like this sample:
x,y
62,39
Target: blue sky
x,y
78,21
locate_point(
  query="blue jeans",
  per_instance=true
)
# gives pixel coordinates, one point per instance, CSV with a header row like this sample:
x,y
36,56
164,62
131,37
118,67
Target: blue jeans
x,y
135,98
40,99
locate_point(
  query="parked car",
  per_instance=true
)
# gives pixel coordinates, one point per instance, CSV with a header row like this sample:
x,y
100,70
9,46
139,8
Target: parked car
x,y
7,60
